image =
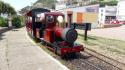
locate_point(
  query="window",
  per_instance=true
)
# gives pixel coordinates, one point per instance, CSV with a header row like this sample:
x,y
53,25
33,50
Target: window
x,y
101,14
39,16
50,19
60,21
102,10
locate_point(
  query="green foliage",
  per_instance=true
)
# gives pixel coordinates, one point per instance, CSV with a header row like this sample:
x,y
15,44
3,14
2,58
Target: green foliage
x,y
48,3
102,3
22,18
112,3
16,21
101,0
74,1
94,2
105,2
3,22
109,3
5,7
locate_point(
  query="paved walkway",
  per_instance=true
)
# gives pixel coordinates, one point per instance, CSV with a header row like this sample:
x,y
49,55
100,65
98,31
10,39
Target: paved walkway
x,y
17,52
112,33
3,29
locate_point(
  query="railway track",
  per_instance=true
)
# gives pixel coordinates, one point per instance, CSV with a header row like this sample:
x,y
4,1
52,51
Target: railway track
x,y
91,60
106,59
85,61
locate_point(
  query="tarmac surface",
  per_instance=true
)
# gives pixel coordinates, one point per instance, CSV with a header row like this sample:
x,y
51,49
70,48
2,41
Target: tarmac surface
x,y
111,33
19,52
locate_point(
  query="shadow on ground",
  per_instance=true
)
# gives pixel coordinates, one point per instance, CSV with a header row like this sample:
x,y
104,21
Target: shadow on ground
x,y
89,37
2,31
76,56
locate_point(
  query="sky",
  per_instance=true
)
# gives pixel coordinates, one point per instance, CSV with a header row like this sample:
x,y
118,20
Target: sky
x,y
19,4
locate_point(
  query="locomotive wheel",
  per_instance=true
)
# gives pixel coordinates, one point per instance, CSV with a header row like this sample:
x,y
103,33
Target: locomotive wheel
x,y
55,48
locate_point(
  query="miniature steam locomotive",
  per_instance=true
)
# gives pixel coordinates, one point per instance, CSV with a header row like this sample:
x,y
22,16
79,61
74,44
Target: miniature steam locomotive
x,y
51,29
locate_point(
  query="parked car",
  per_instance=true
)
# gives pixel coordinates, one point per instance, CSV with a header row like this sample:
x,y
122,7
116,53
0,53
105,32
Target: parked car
x,y
114,22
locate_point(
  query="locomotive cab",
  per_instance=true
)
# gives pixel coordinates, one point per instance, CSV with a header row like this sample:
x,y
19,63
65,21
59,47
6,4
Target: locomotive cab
x,y
48,20
54,21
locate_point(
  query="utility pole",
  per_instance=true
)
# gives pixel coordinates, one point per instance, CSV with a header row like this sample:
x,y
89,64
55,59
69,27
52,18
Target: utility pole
x,y
9,20
54,4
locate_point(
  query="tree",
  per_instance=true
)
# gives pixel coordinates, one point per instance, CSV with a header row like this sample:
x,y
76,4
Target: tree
x,y
47,3
11,10
1,5
74,2
16,21
6,8
109,3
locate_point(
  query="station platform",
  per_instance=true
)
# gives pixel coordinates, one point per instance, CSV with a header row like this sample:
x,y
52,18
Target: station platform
x,y
19,52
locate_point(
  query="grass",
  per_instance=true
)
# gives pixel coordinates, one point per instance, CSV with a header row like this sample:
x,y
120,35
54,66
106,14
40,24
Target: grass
x,y
104,43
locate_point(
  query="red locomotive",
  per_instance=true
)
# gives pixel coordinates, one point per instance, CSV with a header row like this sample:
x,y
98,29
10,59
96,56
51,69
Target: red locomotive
x,y
50,29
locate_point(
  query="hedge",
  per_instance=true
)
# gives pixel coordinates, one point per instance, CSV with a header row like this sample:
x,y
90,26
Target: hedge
x,y
16,21
3,22
110,3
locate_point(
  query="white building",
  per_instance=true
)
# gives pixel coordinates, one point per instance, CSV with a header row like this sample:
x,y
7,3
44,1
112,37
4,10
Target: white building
x,y
62,4
84,14
103,15
106,14
121,10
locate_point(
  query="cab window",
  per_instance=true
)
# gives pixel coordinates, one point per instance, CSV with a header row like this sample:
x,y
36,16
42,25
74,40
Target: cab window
x,y
60,21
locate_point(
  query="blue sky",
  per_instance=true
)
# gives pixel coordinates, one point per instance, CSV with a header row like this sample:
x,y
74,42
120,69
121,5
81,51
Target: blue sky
x,y
19,4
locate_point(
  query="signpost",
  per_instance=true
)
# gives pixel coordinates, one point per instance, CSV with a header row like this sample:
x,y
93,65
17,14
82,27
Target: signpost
x,y
83,26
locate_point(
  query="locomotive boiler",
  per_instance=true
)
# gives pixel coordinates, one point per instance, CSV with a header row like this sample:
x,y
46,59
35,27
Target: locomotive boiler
x,y
51,29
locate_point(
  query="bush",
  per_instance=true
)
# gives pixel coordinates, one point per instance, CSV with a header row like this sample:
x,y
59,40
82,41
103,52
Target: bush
x,y
16,21
22,20
110,3
94,2
3,22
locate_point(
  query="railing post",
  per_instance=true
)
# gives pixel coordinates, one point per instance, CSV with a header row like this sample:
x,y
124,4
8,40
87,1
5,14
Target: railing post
x,y
86,30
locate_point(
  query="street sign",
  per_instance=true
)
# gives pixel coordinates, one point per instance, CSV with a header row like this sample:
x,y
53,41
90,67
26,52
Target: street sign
x,y
83,26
